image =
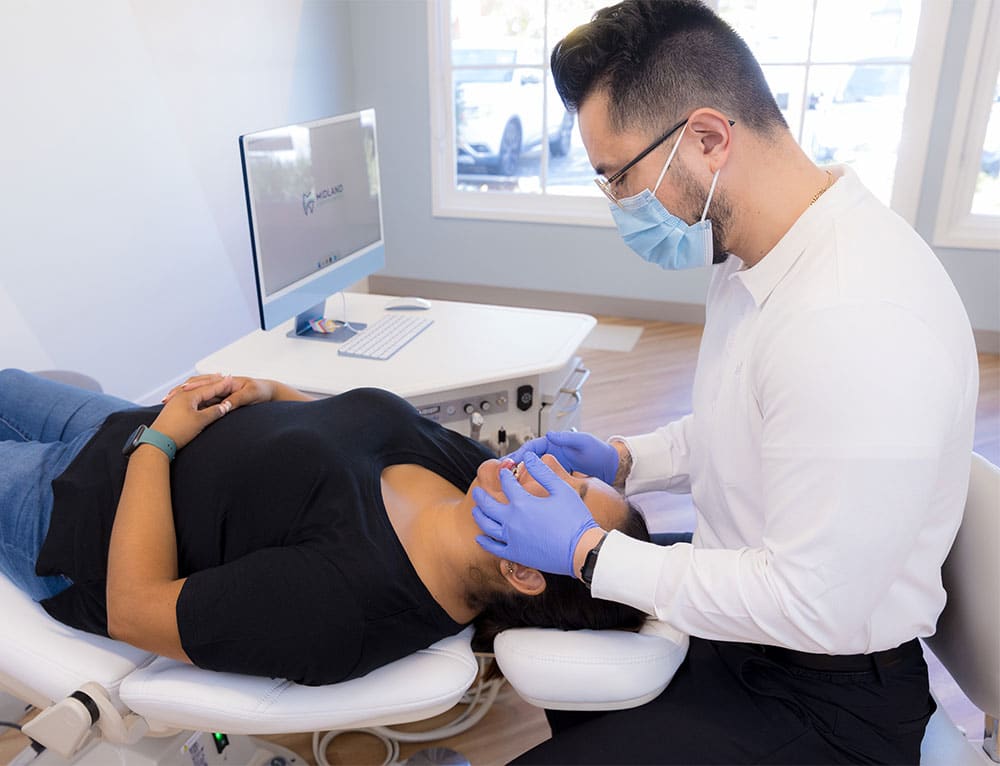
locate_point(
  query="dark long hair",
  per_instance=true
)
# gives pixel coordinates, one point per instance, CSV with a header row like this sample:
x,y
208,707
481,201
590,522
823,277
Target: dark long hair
x,y
658,60
565,603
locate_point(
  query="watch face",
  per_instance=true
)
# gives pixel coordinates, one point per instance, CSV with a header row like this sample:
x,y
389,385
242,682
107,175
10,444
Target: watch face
x,y
133,440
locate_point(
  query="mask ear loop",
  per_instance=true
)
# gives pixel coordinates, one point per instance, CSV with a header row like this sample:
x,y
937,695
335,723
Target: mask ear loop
x,y
670,159
711,191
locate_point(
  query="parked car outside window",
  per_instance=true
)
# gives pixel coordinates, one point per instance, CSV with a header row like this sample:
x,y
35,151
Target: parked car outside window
x,y
498,109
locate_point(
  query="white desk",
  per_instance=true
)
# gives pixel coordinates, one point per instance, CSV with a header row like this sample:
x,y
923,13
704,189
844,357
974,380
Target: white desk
x,y
470,353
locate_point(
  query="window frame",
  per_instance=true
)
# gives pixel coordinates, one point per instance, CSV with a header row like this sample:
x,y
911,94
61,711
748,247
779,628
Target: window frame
x,y
449,202
956,225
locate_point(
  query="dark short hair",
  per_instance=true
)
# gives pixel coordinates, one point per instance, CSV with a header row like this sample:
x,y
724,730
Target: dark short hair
x,y
659,60
565,603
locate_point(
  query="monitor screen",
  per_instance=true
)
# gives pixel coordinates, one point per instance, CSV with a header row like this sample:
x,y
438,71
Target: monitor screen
x,y
312,193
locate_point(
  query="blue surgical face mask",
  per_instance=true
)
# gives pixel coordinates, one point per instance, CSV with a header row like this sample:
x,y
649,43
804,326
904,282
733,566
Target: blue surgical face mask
x,y
659,237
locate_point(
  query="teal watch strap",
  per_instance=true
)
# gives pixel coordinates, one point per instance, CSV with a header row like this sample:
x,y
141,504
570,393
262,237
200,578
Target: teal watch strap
x,y
164,442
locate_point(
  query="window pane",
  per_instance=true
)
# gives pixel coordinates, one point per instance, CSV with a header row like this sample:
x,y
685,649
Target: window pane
x,y
987,197
776,30
498,128
509,118
498,78
865,30
857,119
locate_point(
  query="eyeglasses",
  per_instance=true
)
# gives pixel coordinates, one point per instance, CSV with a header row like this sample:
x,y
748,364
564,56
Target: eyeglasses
x,y
605,184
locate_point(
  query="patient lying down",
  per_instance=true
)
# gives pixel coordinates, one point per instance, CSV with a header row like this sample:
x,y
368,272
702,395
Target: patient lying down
x,y
313,540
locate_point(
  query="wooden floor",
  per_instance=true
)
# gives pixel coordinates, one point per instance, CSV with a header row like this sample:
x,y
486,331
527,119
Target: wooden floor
x,y
627,393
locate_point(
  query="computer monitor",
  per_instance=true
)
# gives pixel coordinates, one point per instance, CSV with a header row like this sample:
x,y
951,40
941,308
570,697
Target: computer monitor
x,y
315,215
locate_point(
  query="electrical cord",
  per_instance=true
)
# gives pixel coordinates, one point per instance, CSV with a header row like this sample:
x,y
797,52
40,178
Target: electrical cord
x,y
37,747
321,745
479,700
343,313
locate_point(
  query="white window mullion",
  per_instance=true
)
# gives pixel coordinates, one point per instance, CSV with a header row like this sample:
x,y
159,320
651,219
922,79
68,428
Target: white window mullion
x,y
914,141
805,78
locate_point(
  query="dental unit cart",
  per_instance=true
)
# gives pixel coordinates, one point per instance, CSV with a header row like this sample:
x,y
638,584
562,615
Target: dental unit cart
x,y
498,374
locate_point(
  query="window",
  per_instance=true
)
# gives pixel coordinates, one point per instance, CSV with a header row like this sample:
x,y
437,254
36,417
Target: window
x,y
840,70
969,207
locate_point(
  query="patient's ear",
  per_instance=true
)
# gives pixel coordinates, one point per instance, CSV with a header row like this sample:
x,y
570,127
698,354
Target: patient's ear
x,y
524,579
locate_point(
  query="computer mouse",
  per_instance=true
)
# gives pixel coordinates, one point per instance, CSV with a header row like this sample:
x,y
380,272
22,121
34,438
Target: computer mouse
x,y
408,303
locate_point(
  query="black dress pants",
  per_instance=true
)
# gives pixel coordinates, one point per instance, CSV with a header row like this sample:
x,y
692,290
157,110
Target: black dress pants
x,y
732,703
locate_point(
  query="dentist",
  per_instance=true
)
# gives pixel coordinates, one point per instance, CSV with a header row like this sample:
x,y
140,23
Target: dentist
x,y
828,449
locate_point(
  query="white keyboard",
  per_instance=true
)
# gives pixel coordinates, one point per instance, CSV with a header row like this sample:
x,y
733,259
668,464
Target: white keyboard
x,y
384,337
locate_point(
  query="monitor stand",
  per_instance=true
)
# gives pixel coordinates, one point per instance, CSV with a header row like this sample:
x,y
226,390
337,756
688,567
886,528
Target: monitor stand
x,y
339,335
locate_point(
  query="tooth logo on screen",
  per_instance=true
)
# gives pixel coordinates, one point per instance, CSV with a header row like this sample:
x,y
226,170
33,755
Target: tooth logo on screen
x,y
309,203
313,198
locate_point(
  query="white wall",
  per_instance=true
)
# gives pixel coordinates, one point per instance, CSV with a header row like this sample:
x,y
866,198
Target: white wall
x,y
390,48
124,248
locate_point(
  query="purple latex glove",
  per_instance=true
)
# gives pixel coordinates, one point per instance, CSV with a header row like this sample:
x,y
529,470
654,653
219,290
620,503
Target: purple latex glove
x,y
575,451
539,532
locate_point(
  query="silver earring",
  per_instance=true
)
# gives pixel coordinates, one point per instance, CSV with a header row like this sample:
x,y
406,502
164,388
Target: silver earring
x,y
510,568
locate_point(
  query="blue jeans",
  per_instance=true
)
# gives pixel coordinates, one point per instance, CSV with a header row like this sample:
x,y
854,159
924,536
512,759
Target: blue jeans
x,y
43,426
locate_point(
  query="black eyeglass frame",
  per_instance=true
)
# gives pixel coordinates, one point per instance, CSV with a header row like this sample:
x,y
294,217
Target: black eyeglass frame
x,y
604,184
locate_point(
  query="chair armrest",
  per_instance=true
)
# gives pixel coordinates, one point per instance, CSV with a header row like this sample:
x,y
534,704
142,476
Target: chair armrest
x,y
42,661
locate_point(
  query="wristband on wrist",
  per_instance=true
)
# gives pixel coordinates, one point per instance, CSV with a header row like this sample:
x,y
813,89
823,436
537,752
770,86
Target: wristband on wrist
x,y
590,563
145,435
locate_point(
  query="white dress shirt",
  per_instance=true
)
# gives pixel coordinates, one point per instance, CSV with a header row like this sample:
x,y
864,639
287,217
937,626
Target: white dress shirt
x,y
828,451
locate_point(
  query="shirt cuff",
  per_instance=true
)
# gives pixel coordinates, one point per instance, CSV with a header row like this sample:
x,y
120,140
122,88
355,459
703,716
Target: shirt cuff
x,y
630,571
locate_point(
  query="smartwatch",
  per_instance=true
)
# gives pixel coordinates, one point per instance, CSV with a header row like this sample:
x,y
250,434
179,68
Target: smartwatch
x,y
145,435
590,563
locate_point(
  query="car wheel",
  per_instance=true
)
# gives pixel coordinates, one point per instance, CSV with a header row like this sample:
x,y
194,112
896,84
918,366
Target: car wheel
x,y
559,145
510,150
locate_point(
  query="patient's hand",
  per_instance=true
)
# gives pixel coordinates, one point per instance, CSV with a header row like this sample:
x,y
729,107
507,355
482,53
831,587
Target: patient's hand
x,y
188,413
245,391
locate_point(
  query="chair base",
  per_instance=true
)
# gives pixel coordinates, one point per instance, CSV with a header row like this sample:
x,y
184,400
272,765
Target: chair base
x,y
181,749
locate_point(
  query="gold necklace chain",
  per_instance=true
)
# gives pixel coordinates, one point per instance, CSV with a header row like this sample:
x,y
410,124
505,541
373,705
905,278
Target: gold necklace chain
x,y
817,195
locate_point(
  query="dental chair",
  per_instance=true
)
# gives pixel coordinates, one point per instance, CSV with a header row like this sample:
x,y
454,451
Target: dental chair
x,y
555,669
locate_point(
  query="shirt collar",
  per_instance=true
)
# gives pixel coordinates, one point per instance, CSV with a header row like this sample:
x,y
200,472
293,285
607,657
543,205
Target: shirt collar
x,y
764,276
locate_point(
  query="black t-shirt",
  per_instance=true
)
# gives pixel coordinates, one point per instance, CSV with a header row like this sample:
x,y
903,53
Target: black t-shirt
x,y
293,568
